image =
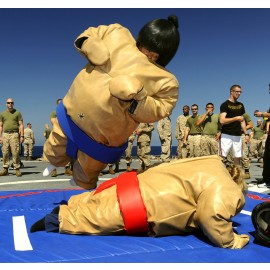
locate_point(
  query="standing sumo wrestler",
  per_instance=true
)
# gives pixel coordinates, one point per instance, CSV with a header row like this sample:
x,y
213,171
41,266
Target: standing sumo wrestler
x,y
170,199
124,83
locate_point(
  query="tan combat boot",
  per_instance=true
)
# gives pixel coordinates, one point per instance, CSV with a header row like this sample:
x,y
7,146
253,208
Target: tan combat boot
x,y
68,171
4,172
111,171
129,169
116,169
54,173
247,175
18,173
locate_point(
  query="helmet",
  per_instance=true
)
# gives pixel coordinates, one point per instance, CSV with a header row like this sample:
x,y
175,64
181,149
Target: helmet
x,y
161,36
261,221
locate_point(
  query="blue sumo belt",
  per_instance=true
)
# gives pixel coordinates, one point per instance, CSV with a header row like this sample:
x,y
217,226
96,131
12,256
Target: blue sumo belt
x,y
78,140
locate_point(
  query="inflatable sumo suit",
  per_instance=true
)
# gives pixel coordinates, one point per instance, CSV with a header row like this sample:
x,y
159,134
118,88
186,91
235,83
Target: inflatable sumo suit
x,y
117,89
169,199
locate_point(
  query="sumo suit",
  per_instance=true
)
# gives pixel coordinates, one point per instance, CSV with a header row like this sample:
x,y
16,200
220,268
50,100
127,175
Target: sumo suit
x,y
101,98
169,199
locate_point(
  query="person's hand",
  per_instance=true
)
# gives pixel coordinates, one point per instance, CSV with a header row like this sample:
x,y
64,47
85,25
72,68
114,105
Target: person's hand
x,y
258,113
240,118
209,111
240,241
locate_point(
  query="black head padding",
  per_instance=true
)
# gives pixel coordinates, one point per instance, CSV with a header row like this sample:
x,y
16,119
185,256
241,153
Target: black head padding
x,y
261,221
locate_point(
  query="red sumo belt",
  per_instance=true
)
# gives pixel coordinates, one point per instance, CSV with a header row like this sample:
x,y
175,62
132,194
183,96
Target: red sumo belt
x,y
130,202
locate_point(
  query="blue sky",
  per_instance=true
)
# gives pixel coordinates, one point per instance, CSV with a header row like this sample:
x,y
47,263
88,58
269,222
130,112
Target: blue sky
x,y
219,47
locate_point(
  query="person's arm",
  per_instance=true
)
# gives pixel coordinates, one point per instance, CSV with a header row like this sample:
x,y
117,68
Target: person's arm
x,y
201,119
267,127
33,137
21,131
244,128
251,134
262,114
177,130
186,135
249,125
224,121
1,131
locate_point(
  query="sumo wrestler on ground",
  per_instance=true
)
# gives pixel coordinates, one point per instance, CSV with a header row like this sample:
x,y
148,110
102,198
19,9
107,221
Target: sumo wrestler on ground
x,y
169,199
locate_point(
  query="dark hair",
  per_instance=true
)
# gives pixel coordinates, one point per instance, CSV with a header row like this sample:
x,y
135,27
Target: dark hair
x,y
161,36
234,86
58,100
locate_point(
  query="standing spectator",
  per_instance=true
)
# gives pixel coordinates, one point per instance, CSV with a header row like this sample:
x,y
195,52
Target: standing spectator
x,y
11,122
47,131
128,151
193,133
209,122
256,141
144,135
232,121
182,150
29,141
53,118
46,134
245,162
266,155
266,124
164,128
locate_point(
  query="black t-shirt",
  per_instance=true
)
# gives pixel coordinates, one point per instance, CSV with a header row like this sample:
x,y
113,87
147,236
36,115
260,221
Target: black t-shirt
x,y
232,110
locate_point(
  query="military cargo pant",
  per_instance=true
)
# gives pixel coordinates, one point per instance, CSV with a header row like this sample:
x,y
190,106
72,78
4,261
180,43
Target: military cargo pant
x,y
11,144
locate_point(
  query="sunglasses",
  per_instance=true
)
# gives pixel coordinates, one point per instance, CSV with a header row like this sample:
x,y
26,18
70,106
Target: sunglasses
x,y
10,102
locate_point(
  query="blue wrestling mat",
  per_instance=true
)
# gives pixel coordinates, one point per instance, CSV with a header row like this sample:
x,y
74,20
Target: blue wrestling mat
x,y
20,209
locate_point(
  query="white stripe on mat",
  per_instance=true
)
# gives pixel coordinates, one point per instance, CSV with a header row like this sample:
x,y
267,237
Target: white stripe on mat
x,y
21,239
44,181
246,212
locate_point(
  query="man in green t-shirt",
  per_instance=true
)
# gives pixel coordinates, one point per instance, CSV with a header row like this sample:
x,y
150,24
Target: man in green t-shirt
x,y
209,122
11,136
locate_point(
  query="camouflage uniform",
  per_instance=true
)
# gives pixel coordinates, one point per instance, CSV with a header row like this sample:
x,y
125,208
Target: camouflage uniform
x,y
11,139
256,144
194,136
128,151
244,159
210,135
29,141
144,132
164,128
182,150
